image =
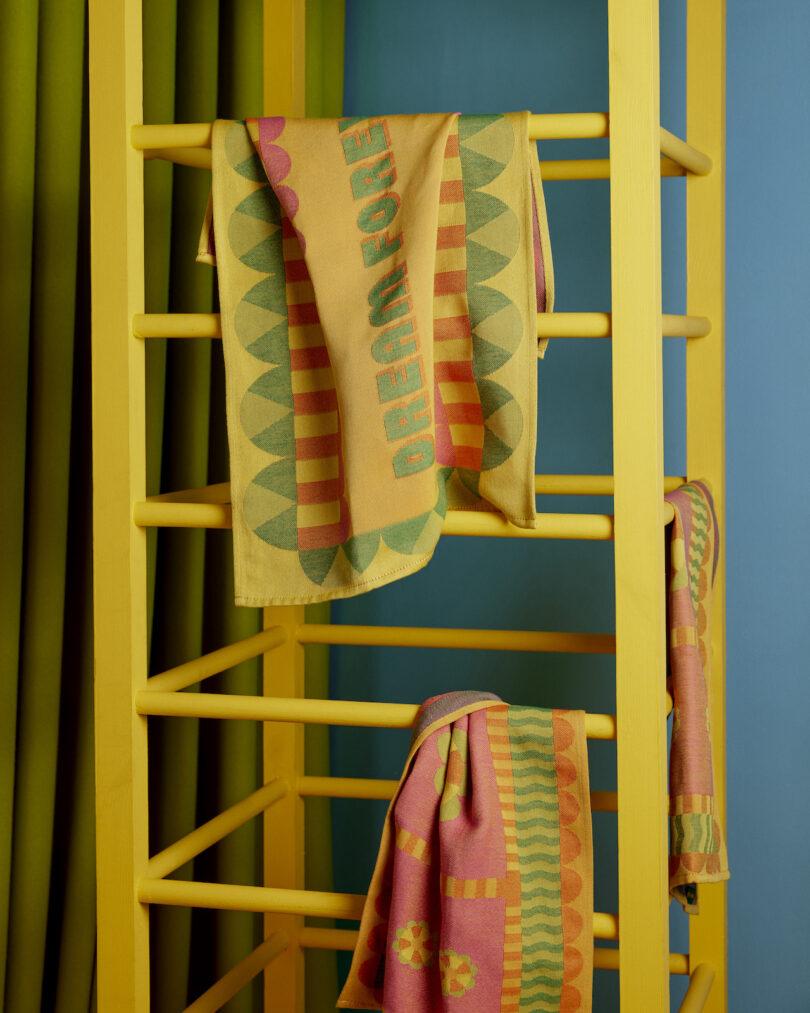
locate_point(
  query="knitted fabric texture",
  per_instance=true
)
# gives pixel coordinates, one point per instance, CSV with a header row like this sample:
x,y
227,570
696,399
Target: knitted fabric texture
x,y
482,896
697,846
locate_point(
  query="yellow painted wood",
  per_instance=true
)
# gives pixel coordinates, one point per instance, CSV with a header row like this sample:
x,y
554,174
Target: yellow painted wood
x,y
188,847
463,639
551,170
183,676
163,512
549,325
544,485
584,168
145,136
701,989
638,502
705,404
370,788
284,824
684,154
119,472
346,939
196,158
312,903
284,94
284,21
284,56
588,485
226,988
295,709
164,140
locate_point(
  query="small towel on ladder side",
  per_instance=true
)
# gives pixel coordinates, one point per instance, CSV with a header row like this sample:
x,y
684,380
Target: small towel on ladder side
x,y
482,896
379,283
697,845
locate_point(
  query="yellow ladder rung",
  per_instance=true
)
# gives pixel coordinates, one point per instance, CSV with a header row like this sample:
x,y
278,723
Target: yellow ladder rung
x,y
346,939
355,713
194,843
700,985
309,903
160,139
246,970
549,325
161,513
183,676
383,790
463,639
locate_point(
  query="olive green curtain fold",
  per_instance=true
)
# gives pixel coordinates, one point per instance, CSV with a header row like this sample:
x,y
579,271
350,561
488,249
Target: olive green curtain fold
x,y
202,58
42,268
18,69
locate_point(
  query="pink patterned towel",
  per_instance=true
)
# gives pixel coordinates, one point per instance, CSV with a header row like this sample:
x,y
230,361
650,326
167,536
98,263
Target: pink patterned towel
x,y
482,897
697,846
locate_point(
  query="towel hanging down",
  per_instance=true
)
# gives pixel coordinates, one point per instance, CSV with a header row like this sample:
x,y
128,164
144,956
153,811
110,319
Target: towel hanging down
x,y
697,851
379,282
482,896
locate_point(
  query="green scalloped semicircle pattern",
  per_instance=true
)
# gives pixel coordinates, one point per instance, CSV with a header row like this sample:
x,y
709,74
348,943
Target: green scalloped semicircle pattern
x,y
266,413
261,323
486,144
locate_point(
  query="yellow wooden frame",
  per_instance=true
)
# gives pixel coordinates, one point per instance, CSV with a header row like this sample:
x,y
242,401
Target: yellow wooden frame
x,y
128,879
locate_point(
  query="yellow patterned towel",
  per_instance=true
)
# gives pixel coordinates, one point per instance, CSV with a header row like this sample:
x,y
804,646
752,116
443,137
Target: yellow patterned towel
x,y
379,282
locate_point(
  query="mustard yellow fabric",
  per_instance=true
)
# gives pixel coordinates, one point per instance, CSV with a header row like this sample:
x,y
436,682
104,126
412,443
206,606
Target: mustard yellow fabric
x,y
379,283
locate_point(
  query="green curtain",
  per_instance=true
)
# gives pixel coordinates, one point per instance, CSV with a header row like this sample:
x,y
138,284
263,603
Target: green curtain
x,y
202,58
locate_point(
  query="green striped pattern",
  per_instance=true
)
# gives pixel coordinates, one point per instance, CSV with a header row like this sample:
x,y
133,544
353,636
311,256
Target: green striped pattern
x,y
531,737
693,833
697,540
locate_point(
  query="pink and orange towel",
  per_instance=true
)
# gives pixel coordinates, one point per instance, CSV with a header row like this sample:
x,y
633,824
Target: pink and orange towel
x,y
379,283
697,847
482,896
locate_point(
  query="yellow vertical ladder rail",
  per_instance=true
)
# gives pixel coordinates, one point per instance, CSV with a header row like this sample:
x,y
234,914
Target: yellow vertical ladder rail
x,y
705,408
284,94
116,171
638,503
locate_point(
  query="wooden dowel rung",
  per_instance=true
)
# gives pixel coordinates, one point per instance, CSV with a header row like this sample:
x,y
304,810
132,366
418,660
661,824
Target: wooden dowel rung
x,y
246,970
346,939
166,140
463,639
195,842
684,154
383,790
310,903
542,126
354,713
589,485
155,513
702,979
549,325
556,169
217,661
379,789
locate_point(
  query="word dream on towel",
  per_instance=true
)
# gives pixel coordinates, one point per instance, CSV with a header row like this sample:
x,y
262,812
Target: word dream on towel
x,y
379,282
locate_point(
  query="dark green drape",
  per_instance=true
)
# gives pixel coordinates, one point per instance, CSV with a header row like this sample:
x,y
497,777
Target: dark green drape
x,y
46,792
202,59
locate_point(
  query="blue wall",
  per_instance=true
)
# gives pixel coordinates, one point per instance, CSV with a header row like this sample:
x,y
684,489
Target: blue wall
x,y
549,57
768,555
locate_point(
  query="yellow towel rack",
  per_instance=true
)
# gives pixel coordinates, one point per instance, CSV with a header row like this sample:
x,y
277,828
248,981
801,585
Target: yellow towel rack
x,y
641,152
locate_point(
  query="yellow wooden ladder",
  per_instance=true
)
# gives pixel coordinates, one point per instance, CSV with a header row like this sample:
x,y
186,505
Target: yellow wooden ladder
x,y
129,879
